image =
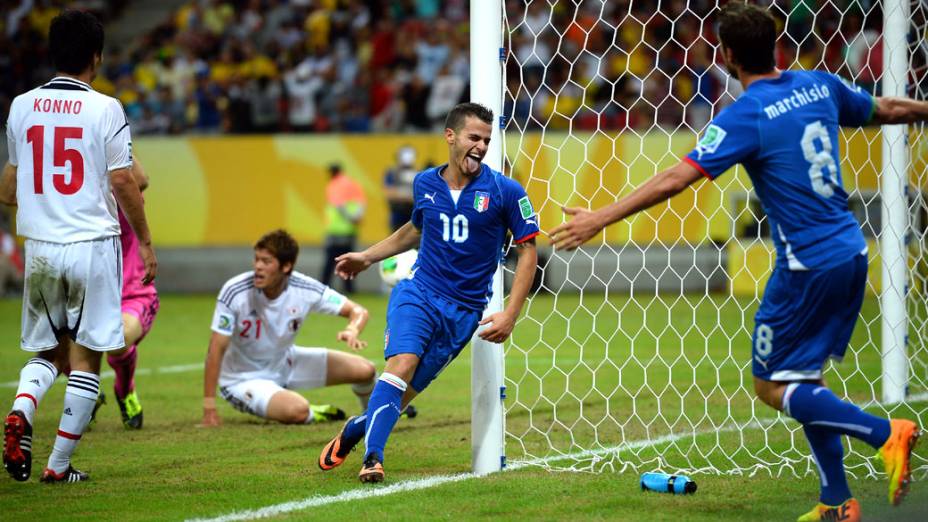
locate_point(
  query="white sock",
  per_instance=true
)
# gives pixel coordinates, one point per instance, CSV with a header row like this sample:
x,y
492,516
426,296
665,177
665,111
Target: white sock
x,y
79,399
363,392
36,377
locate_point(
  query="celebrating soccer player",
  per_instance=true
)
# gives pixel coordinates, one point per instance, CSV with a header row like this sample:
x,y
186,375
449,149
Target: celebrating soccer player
x,y
251,352
70,164
783,130
462,212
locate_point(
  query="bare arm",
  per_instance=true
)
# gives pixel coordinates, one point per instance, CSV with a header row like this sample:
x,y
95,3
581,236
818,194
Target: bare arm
x,y
218,344
8,185
503,322
586,224
141,178
890,110
351,264
357,319
129,198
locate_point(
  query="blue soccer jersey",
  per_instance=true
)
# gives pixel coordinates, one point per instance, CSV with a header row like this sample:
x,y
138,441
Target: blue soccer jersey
x,y
462,241
785,133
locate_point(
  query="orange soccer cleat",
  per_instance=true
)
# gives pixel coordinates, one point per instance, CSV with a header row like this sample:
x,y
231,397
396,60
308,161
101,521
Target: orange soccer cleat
x,y
848,511
895,454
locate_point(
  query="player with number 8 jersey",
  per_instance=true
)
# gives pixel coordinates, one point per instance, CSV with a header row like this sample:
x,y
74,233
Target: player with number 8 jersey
x,y
784,131
70,160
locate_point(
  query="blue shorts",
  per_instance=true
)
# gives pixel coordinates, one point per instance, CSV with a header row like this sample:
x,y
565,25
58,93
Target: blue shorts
x,y
806,318
428,325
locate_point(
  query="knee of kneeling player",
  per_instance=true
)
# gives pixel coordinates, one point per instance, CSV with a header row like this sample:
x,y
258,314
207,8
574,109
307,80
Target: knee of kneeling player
x,y
297,413
368,372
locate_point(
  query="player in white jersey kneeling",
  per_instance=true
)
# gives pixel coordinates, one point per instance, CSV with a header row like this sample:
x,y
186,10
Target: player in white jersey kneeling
x,y
70,159
251,355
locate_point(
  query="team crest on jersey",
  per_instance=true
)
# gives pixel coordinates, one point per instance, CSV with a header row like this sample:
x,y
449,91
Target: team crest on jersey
x,y
710,140
481,202
293,310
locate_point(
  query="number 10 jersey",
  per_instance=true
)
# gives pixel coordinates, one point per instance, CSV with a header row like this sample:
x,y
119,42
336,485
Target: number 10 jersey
x,y
63,139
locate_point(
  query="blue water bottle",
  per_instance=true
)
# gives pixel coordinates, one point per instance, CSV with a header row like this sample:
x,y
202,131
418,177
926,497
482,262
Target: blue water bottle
x,y
664,483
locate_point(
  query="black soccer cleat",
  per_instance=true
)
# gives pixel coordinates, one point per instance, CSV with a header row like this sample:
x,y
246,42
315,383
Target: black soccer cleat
x,y
131,410
410,412
65,477
101,400
17,446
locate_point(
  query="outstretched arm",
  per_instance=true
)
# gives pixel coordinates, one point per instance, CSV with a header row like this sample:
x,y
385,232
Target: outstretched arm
x,y
586,224
351,264
357,318
8,185
218,344
503,322
890,110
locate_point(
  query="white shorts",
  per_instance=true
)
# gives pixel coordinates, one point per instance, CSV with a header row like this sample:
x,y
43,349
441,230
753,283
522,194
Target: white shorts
x,y
307,371
73,289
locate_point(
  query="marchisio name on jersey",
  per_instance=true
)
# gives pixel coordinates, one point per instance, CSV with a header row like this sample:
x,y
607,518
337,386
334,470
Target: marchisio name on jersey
x,y
799,99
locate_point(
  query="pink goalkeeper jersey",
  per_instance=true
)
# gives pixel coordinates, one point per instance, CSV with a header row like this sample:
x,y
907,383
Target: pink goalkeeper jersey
x,y
133,268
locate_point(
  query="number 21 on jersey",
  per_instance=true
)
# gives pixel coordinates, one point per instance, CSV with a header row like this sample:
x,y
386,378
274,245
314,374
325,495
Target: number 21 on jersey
x,y
62,156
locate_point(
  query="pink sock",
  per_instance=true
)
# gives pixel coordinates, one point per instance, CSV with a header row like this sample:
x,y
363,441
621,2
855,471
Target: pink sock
x,y
124,367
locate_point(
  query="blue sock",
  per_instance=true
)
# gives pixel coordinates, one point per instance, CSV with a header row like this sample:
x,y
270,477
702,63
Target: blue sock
x,y
815,405
829,456
354,430
383,412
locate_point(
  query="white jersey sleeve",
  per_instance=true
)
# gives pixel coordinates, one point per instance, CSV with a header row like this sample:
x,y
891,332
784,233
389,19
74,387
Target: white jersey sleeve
x,y
330,303
320,298
11,145
223,319
119,141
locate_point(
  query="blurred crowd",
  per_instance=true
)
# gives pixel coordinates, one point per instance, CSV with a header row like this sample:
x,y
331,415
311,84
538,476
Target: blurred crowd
x,y
245,66
622,64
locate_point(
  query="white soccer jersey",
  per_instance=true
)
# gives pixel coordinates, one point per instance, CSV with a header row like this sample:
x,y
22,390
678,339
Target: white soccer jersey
x,y
63,139
262,331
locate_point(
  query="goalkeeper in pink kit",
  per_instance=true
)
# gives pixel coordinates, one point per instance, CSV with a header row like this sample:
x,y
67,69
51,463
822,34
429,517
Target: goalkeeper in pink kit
x,y
139,307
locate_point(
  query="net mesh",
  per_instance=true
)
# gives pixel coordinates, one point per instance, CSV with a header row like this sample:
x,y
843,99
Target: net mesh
x,y
633,353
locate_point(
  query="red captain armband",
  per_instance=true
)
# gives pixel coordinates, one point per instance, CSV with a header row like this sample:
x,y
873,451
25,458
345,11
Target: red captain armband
x,y
526,238
698,167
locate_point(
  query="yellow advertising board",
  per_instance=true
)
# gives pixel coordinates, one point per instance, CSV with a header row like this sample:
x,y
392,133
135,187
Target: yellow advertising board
x,y
229,190
212,191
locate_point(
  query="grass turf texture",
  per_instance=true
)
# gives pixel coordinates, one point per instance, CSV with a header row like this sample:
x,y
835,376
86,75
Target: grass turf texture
x,y
174,470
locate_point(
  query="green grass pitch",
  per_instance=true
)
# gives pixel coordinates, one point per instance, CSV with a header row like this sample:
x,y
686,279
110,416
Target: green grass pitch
x,y
679,370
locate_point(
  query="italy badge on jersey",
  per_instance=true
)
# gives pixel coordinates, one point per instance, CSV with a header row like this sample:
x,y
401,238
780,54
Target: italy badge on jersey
x,y
481,201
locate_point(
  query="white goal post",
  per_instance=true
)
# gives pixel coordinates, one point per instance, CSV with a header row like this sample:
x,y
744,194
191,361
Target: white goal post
x,y
634,352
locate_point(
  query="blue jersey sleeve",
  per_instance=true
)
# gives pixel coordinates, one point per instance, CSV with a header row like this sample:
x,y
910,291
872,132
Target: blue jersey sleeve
x,y
729,139
416,199
855,106
520,216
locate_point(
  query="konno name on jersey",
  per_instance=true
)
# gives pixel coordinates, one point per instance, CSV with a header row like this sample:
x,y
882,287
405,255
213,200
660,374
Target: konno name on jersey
x,y
798,99
57,106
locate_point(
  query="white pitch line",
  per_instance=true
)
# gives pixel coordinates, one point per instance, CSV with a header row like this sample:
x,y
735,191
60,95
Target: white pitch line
x,y
438,480
180,368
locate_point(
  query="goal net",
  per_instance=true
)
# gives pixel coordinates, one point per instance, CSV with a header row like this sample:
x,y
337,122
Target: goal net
x,y
634,351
